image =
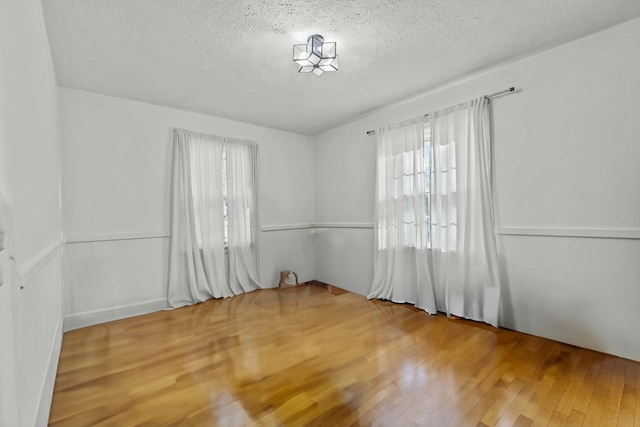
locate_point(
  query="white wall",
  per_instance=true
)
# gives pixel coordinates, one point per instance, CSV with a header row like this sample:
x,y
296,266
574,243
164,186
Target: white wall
x,y
116,198
31,296
567,150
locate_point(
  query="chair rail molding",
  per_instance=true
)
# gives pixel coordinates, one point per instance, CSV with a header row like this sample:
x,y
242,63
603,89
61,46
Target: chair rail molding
x,y
105,237
344,225
284,227
26,270
599,233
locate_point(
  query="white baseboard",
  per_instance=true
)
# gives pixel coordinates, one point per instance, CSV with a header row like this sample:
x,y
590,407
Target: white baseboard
x,y
46,389
94,317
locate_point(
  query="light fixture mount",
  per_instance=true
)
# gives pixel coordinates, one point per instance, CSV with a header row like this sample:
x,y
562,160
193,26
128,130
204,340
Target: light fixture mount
x,y
317,56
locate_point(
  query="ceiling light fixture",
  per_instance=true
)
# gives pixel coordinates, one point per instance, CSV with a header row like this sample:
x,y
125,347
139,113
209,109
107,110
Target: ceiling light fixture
x,y
316,56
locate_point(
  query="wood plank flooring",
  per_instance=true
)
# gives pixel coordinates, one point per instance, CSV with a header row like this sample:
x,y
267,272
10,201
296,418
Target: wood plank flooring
x,y
308,356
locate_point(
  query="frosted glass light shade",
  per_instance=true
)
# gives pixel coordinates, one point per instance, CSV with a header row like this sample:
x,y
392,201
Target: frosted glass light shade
x,y
316,56
300,55
328,53
330,65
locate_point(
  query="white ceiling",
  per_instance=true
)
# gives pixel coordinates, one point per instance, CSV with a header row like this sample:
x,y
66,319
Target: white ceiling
x,y
232,58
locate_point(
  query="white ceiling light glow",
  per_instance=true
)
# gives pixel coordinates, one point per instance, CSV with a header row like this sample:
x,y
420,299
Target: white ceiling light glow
x,y
316,56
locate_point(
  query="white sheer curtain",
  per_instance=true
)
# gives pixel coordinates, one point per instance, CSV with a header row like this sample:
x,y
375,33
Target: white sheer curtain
x,y
401,259
242,159
209,174
439,254
464,251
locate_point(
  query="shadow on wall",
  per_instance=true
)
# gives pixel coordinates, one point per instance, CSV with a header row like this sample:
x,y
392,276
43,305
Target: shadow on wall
x,y
543,318
506,318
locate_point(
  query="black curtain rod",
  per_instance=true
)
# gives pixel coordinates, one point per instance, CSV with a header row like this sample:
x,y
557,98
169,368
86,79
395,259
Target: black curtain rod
x,y
502,92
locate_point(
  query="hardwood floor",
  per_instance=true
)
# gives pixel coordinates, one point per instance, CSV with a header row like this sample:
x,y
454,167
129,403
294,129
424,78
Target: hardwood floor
x,y
308,356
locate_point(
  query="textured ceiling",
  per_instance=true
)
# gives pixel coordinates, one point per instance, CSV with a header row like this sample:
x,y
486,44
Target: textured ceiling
x,y
232,58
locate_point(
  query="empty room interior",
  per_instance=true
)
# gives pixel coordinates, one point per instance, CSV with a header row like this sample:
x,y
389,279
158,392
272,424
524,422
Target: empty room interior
x,y
283,213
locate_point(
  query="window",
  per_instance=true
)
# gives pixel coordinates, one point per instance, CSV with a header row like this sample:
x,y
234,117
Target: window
x,y
438,168
441,195
225,198
428,177
208,184
406,197
209,181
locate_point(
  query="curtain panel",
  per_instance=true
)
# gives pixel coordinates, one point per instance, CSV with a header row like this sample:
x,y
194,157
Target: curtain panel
x,y
214,220
464,251
402,271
